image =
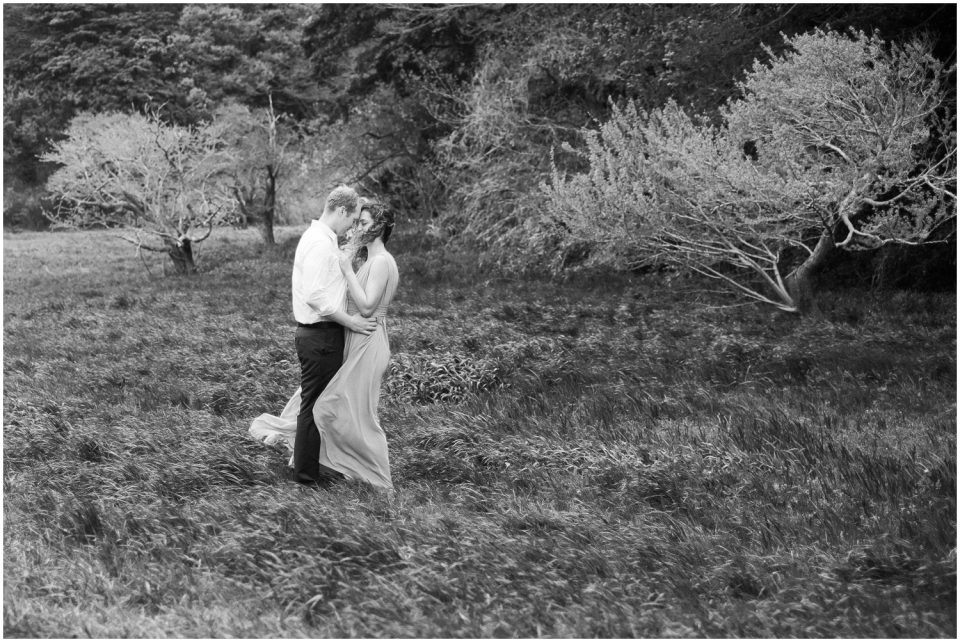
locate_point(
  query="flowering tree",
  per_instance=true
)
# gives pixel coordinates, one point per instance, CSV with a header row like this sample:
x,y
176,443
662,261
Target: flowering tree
x,y
841,142
154,184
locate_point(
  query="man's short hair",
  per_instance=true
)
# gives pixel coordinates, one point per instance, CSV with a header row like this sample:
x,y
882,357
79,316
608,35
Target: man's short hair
x,y
342,196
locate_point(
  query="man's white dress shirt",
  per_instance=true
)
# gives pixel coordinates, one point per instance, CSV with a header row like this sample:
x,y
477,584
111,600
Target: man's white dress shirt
x,y
319,287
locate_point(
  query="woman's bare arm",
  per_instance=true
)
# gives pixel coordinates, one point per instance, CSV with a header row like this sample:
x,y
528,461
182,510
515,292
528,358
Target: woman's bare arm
x,y
367,299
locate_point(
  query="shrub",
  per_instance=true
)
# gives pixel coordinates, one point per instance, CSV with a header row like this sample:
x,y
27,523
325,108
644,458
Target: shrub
x,y
23,207
440,377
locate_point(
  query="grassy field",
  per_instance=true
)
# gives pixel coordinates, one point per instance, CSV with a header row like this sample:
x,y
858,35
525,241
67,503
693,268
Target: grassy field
x,y
621,457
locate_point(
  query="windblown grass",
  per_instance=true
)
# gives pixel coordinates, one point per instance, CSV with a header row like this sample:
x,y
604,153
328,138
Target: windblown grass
x,y
613,458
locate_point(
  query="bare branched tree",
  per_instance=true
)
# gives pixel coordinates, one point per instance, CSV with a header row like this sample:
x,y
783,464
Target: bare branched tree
x,y
254,159
153,184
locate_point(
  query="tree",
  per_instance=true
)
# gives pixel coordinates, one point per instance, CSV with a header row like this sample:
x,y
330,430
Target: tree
x,y
62,59
254,159
247,54
499,85
840,142
155,184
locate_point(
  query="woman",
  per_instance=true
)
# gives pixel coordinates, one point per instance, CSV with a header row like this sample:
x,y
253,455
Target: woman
x,y
352,441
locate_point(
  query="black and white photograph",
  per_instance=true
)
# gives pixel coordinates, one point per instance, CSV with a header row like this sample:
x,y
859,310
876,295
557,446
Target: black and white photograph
x,y
479,320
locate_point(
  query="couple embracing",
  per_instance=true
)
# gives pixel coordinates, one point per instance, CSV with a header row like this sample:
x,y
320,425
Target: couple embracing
x,y
331,422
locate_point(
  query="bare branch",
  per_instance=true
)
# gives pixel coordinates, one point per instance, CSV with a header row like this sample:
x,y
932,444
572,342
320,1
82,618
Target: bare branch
x,y
787,303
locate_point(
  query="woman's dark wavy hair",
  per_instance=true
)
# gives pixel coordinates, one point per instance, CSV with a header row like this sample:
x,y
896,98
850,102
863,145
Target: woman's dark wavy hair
x,y
383,221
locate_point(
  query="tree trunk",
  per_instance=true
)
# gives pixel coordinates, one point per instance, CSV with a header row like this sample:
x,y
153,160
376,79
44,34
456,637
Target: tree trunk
x,y
269,207
242,199
800,282
181,253
266,228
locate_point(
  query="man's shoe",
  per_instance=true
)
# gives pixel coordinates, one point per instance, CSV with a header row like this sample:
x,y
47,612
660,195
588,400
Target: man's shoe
x,y
302,478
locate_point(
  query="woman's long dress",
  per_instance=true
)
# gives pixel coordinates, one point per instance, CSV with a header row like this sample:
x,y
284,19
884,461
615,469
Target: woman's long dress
x,y
352,441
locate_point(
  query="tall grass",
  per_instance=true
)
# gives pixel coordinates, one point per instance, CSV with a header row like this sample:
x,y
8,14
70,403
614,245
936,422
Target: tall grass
x,y
615,458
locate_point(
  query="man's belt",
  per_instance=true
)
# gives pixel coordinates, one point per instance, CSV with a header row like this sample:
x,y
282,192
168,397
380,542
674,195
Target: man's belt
x,y
319,324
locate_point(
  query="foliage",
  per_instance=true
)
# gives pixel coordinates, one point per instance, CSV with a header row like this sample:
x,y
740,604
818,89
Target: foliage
x,y
23,206
538,79
154,182
834,126
392,95
492,157
648,466
357,48
379,140
185,60
246,54
62,59
501,85
377,66
867,111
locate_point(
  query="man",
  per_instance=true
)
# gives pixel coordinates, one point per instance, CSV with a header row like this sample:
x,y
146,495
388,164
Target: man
x,y
319,300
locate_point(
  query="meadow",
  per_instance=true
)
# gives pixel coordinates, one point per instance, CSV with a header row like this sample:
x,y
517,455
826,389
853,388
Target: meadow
x,y
601,456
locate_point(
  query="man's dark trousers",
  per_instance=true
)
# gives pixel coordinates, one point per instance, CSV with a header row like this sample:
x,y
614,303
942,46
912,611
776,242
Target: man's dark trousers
x,y
320,348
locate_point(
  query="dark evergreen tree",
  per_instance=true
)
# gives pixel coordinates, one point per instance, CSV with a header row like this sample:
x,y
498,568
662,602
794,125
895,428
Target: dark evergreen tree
x,y
61,59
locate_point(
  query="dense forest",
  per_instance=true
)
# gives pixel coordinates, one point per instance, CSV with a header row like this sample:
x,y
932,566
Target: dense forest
x,y
456,114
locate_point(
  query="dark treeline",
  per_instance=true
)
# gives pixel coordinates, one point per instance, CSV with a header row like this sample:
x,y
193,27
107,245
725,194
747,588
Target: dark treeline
x,y
453,112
